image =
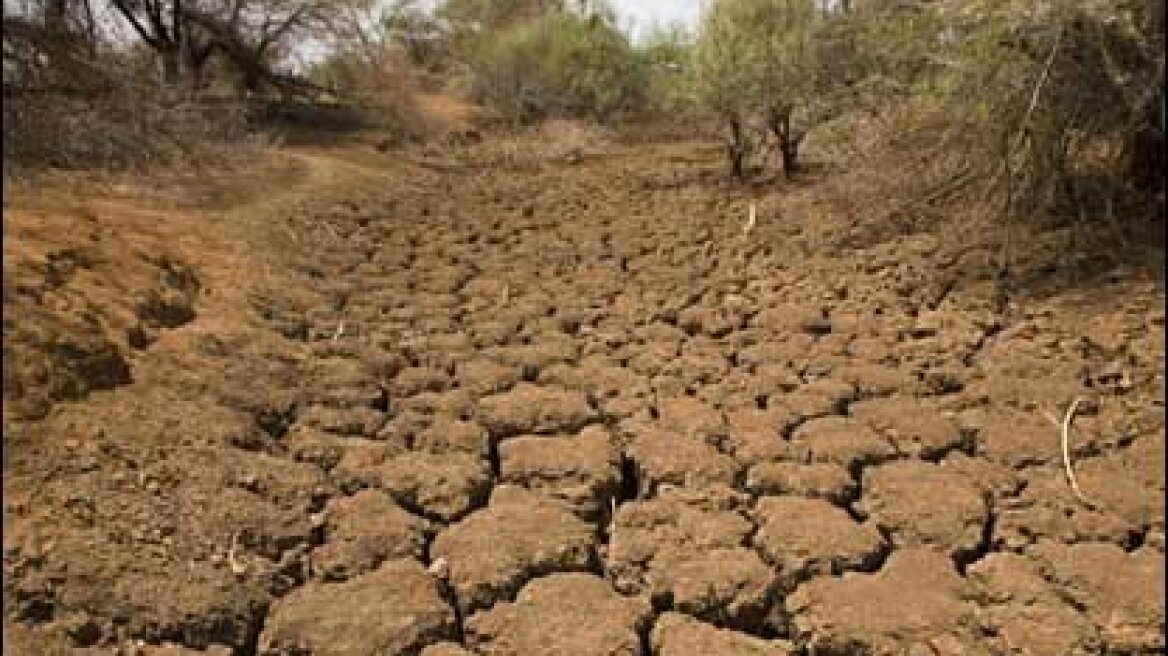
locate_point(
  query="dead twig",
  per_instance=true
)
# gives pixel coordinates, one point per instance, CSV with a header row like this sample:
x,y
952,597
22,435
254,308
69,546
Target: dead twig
x,y
1067,420
237,568
751,219
1037,93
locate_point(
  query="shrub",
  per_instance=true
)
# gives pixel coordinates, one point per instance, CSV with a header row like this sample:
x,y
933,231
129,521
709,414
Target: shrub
x,y
131,126
71,100
666,61
1006,107
560,64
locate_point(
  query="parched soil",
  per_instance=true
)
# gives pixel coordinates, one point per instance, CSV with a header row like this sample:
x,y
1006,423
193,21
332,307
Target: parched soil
x,y
478,401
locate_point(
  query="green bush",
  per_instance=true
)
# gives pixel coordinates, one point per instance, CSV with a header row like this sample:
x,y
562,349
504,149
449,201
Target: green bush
x,y
666,62
561,64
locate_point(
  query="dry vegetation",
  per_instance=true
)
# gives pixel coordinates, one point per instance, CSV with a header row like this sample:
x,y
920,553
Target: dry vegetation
x,y
1019,111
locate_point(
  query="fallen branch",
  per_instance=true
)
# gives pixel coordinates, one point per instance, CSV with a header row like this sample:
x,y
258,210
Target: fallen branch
x,y
1067,420
237,568
751,219
1037,93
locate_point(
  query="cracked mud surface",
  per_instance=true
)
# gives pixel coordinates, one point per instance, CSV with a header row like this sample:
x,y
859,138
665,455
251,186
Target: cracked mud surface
x,y
568,410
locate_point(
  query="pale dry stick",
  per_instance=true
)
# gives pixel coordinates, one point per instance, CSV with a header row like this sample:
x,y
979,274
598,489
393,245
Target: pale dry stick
x,y
1070,417
1037,88
751,219
1023,127
237,568
340,330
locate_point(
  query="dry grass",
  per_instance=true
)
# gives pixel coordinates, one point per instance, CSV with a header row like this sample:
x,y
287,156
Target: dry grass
x,y
131,128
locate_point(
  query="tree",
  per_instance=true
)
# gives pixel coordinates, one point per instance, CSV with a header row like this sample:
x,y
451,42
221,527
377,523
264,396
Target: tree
x,y
564,63
474,24
50,44
159,23
244,32
418,31
665,56
367,44
496,14
249,32
755,58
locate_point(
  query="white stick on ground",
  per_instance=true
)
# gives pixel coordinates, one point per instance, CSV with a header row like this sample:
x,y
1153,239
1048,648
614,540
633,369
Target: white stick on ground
x,y
751,219
1067,420
237,568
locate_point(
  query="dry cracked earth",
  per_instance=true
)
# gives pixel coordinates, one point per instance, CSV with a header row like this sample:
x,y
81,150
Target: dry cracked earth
x,y
572,409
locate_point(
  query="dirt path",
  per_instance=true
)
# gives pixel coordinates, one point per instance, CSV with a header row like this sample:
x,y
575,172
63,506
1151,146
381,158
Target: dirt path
x,y
495,405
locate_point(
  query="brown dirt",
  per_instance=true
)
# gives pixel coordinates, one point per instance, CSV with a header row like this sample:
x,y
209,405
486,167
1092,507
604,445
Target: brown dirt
x,y
549,399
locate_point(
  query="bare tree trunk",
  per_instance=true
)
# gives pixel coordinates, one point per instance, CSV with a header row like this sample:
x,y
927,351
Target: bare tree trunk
x,y
736,148
780,124
197,68
90,26
197,51
56,16
171,65
1145,150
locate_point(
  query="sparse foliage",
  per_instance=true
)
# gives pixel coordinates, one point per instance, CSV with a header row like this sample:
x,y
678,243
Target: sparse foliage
x,y
561,64
666,60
